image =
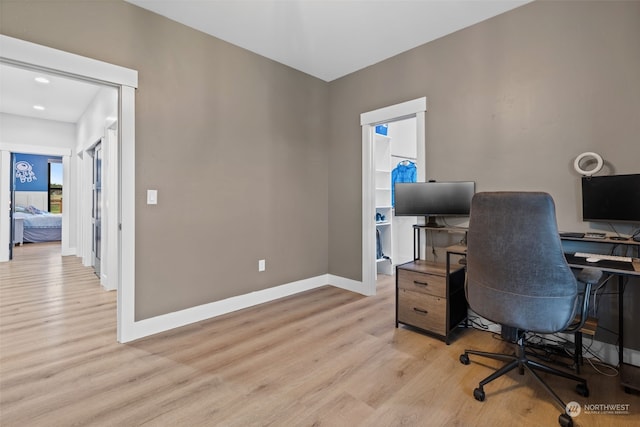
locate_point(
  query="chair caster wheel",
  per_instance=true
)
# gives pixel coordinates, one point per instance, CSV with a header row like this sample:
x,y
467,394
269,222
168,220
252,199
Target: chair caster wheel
x,y
565,420
464,359
478,393
582,389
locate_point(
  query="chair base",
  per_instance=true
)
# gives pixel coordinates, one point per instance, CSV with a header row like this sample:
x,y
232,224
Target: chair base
x,y
522,362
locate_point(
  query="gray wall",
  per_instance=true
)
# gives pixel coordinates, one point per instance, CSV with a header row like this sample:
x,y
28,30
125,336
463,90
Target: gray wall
x,y
270,158
236,145
511,102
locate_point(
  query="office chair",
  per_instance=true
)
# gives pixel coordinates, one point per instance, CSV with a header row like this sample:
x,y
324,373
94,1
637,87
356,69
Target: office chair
x,y
517,276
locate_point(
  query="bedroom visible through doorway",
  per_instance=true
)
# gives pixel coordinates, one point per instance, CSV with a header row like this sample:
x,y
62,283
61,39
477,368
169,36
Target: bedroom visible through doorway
x,y
31,195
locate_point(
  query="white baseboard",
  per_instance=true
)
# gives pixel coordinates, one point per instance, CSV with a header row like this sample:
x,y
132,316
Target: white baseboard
x,y
165,322
608,353
68,251
347,284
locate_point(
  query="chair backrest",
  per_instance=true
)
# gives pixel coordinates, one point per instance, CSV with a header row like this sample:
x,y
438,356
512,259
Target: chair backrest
x,y
516,271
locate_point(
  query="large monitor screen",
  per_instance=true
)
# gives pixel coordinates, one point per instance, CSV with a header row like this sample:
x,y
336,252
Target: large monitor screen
x,y
613,198
434,198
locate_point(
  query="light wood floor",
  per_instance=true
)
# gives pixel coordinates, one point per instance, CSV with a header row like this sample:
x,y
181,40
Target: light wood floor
x,y
326,357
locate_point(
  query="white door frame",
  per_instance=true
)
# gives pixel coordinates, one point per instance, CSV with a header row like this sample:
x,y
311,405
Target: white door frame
x,y
109,270
31,55
414,108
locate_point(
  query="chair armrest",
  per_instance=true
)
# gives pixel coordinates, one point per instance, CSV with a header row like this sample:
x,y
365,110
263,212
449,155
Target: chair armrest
x,y
589,276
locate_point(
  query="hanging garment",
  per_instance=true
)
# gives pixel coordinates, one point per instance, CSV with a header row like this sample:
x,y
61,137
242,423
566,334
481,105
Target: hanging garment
x,y
406,171
379,253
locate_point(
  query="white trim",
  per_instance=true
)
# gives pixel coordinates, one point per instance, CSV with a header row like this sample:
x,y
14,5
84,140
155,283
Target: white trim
x,y
394,112
421,136
605,351
85,190
413,108
110,270
344,283
28,54
368,212
66,248
176,319
35,149
5,200
127,233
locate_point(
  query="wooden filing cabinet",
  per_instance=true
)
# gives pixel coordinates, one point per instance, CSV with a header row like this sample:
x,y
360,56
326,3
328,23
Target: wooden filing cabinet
x,y
426,300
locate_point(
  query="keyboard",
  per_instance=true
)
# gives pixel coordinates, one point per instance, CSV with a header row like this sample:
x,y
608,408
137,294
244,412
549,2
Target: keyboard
x,y
604,257
594,235
572,234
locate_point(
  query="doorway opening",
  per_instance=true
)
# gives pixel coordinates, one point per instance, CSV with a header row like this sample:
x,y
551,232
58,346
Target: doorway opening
x,y
33,194
29,55
373,174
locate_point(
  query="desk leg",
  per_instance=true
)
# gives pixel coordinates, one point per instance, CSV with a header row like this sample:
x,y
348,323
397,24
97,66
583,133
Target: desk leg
x,y
620,322
396,297
416,243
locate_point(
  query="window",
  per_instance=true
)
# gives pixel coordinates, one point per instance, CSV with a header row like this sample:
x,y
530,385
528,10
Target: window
x,y
55,187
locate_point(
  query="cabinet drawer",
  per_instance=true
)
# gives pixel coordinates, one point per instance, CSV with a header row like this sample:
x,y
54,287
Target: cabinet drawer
x,y
423,311
422,282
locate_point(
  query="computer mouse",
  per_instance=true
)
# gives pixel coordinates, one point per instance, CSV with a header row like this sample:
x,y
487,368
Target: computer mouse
x,y
593,259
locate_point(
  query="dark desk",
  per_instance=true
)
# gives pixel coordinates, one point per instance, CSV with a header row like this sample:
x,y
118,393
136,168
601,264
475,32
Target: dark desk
x,y
629,374
417,228
613,267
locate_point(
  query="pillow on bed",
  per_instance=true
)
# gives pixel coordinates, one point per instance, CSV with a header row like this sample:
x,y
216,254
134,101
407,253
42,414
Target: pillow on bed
x,y
21,209
34,211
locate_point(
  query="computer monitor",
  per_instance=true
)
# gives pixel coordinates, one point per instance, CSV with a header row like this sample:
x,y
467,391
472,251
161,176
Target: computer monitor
x,y
612,198
433,199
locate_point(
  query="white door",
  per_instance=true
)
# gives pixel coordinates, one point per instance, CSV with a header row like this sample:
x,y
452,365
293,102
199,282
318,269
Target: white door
x,y
96,211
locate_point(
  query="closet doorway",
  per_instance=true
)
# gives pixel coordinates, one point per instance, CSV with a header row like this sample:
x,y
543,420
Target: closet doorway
x,y
379,159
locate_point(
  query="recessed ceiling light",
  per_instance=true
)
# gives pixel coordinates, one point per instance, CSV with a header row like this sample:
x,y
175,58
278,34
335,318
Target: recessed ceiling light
x,y
38,107
42,80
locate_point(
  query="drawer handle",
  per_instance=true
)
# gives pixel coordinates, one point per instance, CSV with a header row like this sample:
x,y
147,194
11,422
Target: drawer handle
x,y
419,310
415,282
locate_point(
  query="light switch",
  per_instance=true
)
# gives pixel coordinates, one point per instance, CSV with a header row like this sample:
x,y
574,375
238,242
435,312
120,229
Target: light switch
x,y
152,197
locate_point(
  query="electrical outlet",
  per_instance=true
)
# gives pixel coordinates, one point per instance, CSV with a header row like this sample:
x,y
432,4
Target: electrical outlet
x,y
262,265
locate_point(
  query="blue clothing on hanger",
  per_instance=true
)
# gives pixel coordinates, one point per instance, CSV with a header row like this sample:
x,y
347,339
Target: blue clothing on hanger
x,y
406,171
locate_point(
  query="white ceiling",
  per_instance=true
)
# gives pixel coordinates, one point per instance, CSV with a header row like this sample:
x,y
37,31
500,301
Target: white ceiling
x,y
324,38
64,99
328,38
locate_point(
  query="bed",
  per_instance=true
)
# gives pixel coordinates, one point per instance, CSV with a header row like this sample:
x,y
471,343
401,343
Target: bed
x,y
39,225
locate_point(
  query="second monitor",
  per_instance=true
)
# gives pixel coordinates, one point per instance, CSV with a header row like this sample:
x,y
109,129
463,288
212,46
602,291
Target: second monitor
x,y
433,199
